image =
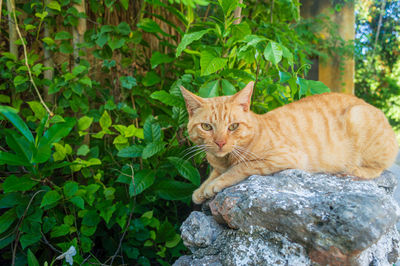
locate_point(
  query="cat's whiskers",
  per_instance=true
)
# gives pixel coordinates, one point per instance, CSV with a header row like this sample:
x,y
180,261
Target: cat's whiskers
x,y
194,149
195,154
239,157
246,153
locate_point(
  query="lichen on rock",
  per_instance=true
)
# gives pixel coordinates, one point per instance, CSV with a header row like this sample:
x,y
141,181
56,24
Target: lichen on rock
x,y
297,218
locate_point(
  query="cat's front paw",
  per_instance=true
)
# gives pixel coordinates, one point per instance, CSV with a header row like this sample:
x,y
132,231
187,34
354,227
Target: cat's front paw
x,y
198,196
213,188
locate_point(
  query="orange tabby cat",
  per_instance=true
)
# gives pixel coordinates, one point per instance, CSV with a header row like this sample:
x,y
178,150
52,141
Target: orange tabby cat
x,y
331,132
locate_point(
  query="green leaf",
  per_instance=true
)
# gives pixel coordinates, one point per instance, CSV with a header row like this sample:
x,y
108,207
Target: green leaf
x,y
152,149
167,98
125,4
210,62
7,219
152,131
78,201
188,38
53,135
228,6
54,5
85,80
12,159
186,170
79,69
227,87
91,218
158,58
173,242
106,213
38,109
102,39
304,86
13,184
209,89
19,145
61,230
131,152
105,120
47,40
49,198
5,98
273,53
149,25
287,54
124,28
284,76
66,48
317,87
29,239
128,82
240,31
143,179
83,150
116,43
19,80
174,190
84,122
32,261
63,35
12,116
151,79
57,119
70,188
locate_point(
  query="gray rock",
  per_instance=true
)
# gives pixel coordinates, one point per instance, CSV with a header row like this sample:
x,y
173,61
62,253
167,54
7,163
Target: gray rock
x,y
199,230
297,218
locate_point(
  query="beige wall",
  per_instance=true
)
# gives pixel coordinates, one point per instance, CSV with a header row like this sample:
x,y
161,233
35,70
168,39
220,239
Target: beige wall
x,y
329,71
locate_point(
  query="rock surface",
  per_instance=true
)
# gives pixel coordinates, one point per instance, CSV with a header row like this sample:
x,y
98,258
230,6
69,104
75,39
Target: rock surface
x,y
297,218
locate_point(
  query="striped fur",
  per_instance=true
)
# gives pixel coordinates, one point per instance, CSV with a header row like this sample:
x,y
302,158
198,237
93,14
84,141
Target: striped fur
x,y
332,132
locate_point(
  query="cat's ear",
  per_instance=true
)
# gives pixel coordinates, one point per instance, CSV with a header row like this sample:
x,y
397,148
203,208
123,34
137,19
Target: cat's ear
x,y
192,101
243,97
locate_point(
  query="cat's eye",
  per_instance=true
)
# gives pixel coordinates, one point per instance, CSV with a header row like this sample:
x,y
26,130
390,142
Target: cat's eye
x,y
233,126
206,127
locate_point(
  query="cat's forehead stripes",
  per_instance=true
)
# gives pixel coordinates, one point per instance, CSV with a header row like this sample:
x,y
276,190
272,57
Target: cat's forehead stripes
x,y
220,112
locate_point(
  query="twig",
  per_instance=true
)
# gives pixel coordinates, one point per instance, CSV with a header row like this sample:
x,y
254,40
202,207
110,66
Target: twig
x,y
379,26
19,223
238,13
48,243
26,60
129,220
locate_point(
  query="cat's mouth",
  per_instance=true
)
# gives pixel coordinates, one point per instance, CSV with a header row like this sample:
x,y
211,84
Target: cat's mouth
x,y
220,153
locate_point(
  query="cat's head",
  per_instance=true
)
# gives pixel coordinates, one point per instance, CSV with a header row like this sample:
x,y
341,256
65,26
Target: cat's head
x,y
221,124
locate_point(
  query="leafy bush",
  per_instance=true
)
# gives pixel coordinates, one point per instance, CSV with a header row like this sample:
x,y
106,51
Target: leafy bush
x,y
110,173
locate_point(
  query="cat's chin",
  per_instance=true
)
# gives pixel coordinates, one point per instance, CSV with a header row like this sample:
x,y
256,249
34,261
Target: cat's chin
x,y
220,153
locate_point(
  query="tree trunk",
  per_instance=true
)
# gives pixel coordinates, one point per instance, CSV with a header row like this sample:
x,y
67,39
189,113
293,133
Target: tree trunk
x,y
79,31
48,62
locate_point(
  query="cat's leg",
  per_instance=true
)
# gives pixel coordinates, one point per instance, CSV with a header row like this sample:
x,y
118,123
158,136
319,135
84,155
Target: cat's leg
x,y
238,173
365,173
198,195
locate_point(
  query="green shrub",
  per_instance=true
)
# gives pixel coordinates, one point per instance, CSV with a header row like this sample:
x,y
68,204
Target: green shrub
x,y
111,173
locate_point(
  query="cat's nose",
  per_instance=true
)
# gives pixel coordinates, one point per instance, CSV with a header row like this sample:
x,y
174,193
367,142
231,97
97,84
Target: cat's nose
x,y
220,143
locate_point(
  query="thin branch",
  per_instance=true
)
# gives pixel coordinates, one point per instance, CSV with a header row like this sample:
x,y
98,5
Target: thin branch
x,y
129,220
26,60
238,13
19,223
382,11
48,243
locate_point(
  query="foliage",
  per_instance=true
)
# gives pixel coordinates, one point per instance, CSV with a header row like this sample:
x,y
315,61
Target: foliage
x,y
377,60
110,173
